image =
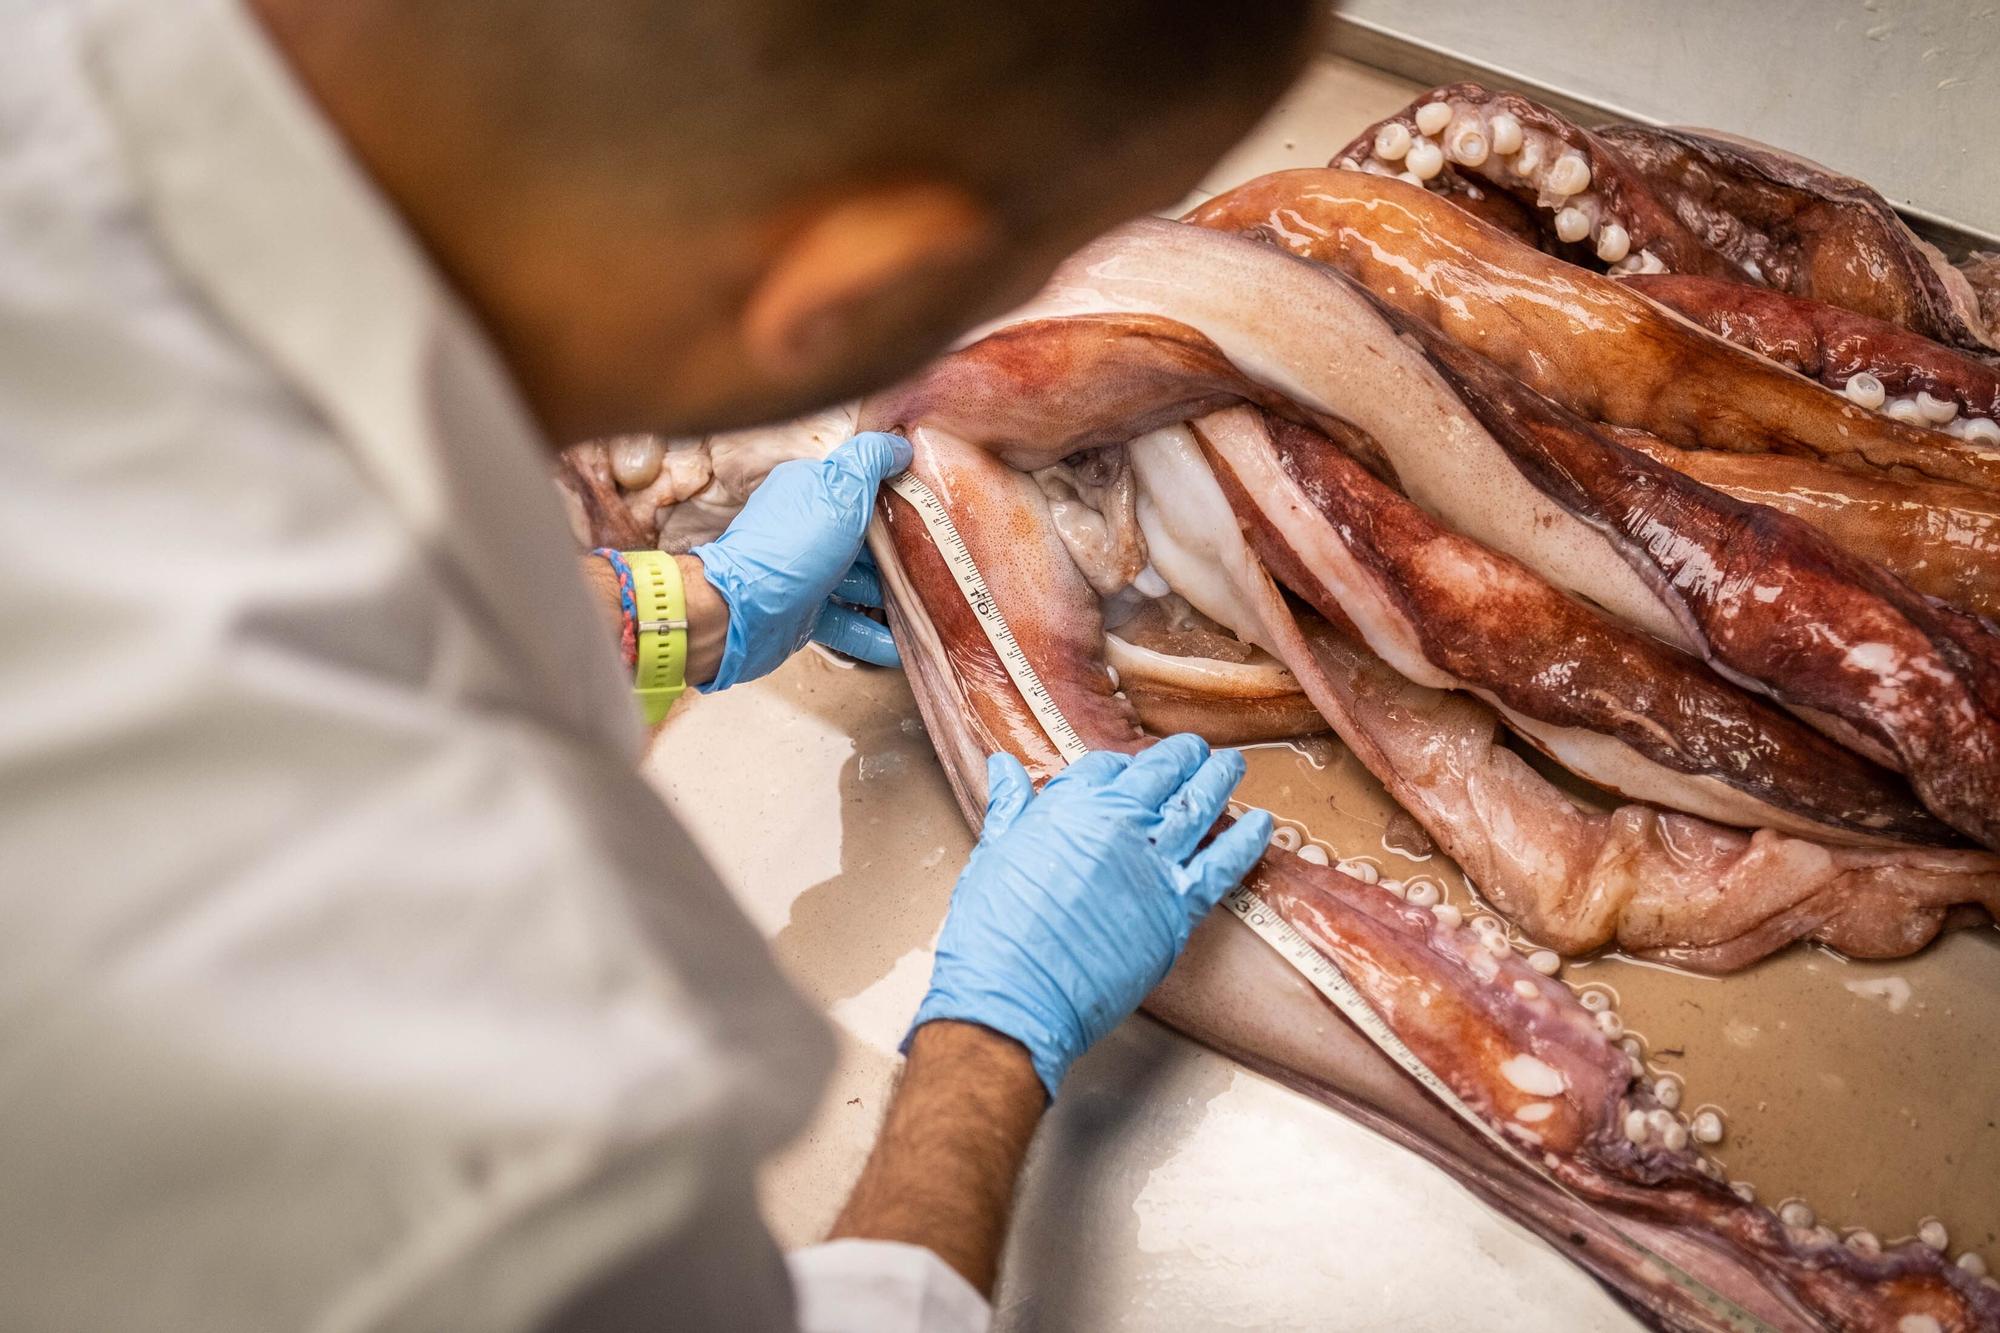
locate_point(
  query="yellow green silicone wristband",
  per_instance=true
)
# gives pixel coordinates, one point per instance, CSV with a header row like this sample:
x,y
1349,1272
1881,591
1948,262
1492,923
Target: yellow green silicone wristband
x,y
661,675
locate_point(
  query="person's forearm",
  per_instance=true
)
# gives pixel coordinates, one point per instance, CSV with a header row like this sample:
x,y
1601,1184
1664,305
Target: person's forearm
x,y
942,1174
707,613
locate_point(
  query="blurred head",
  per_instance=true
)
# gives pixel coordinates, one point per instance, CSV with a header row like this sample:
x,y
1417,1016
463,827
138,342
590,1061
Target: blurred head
x,y
683,215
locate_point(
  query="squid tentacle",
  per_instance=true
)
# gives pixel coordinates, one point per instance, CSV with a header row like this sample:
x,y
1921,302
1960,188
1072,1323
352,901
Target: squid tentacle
x,y
1641,199
1838,347
1073,373
1613,705
1912,684
1639,365
1583,200
1797,226
1921,681
1517,1047
1940,539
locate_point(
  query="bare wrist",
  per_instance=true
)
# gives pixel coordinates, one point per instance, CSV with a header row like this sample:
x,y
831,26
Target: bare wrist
x,y
708,621
942,1174
1003,1064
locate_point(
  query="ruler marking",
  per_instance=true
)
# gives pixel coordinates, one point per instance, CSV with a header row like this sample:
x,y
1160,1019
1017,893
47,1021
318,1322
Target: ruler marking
x,y
973,587
1329,980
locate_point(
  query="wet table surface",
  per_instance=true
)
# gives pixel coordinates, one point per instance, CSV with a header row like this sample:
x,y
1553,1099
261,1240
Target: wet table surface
x,y
1169,1188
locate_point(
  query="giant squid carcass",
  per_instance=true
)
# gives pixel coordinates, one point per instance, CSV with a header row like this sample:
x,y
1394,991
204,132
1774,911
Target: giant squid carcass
x,y
1331,452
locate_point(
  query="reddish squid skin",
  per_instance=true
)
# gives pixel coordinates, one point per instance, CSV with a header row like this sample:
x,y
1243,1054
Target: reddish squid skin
x,y
1098,364
1826,342
1583,339
583,472
1981,270
1724,207
1164,710
1497,1033
1478,615
1651,223
1918,678
1794,225
1656,883
1760,585
1941,539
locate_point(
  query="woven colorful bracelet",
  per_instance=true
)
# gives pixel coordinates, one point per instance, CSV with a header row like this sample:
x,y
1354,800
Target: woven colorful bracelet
x,y
628,605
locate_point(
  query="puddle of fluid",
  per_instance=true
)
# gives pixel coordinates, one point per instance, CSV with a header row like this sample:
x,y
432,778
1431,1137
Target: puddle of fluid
x,y
1875,1105
1878,1118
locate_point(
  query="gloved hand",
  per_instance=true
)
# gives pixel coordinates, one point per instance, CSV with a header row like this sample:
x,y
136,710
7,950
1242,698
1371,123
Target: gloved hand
x,y
1077,901
791,565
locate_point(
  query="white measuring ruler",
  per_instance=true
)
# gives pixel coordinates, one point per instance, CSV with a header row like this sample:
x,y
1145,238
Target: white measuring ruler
x,y
972,584
1285,939
1327,978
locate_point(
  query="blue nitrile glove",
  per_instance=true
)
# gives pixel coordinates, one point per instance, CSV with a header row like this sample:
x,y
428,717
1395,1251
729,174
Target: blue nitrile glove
x,y
791,565
1077,901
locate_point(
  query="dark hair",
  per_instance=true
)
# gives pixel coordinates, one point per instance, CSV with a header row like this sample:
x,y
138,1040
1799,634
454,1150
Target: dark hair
x,y
752,97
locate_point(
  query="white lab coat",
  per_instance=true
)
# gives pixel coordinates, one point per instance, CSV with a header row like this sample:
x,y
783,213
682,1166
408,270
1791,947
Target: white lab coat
x,y
350,979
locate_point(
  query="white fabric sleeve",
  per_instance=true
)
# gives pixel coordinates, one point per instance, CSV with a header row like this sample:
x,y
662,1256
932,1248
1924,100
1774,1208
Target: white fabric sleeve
x,y
351,980
882,1286
338,989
